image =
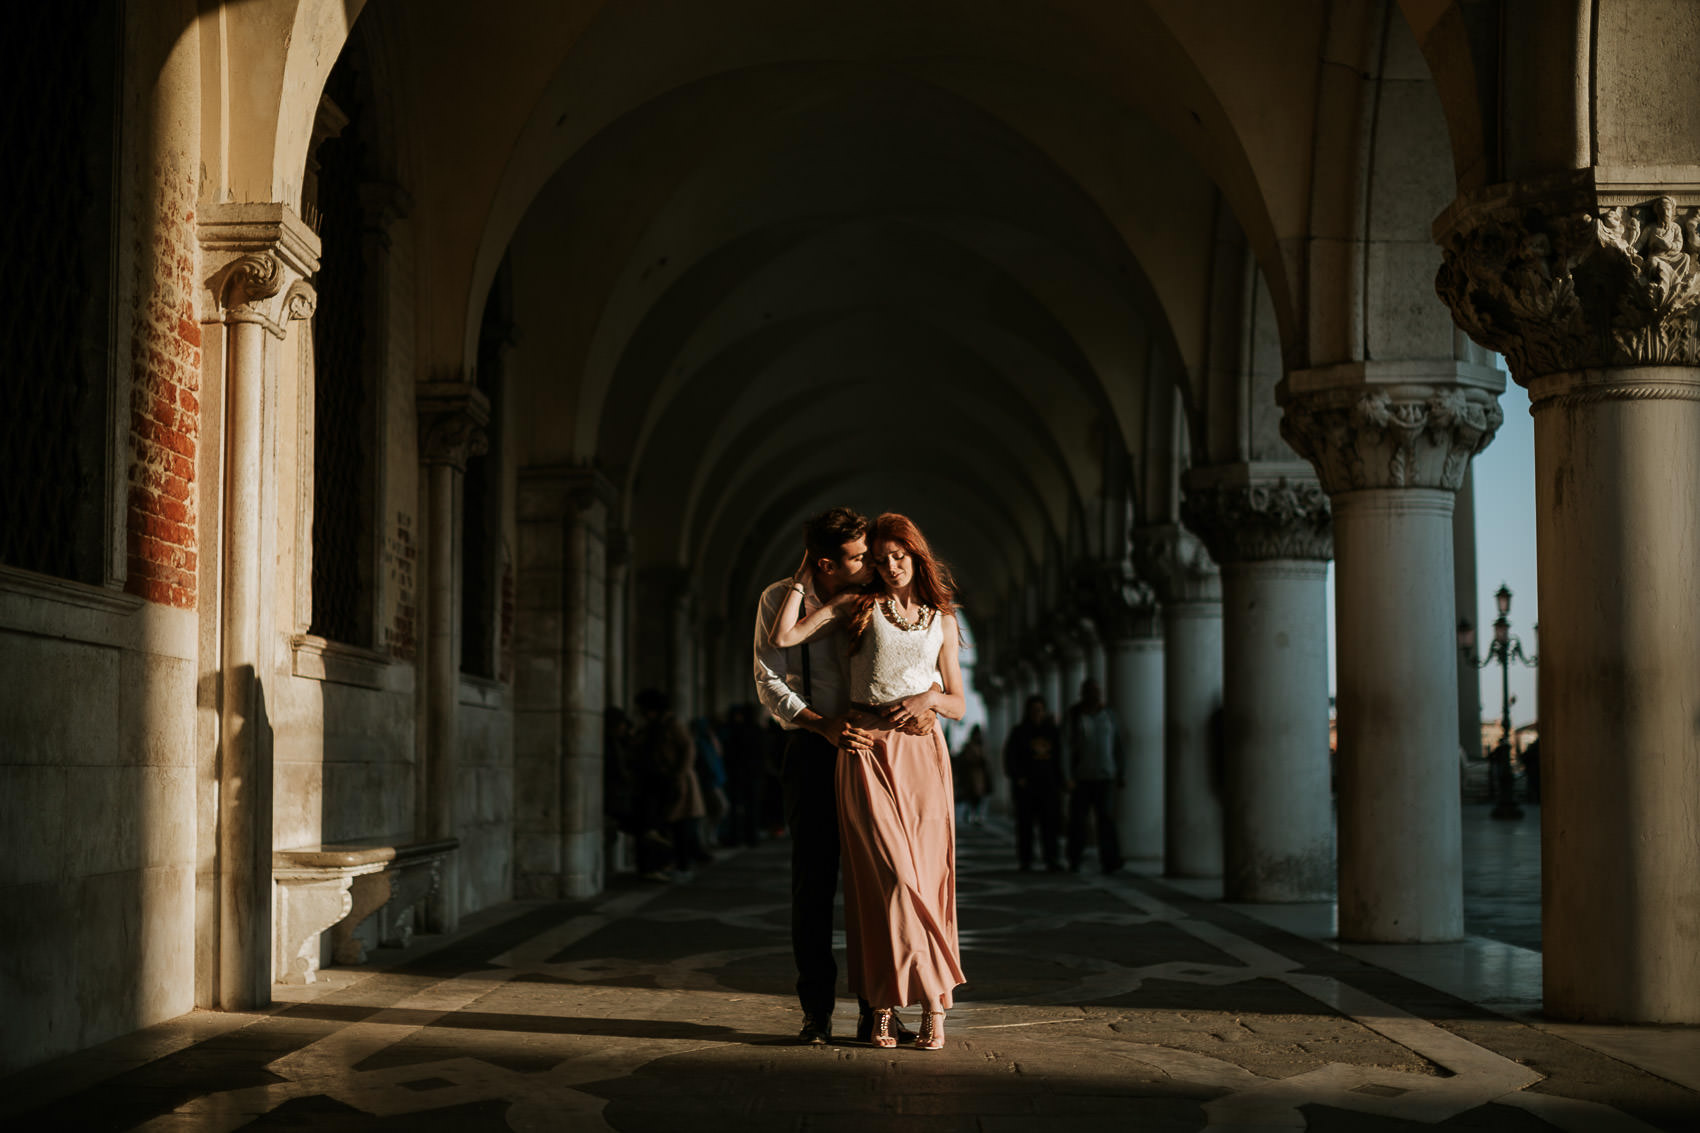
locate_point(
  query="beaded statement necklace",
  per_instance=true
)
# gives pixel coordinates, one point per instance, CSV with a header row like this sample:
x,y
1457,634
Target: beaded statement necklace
x,y
921,622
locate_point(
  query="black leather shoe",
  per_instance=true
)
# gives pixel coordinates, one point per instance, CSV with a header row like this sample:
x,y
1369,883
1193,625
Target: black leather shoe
x,y
817,1029
865,1028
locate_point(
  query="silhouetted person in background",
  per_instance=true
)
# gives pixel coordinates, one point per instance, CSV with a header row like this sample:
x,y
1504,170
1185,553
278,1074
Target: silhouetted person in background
x,y
741,744
973,783
673,795
1032,760
1097,772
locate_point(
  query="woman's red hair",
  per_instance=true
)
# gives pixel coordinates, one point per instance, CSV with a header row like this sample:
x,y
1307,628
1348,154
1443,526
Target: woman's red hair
x,y
933,584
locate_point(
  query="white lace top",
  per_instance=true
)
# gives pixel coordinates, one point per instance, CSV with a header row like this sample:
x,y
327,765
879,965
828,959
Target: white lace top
x,y
894,663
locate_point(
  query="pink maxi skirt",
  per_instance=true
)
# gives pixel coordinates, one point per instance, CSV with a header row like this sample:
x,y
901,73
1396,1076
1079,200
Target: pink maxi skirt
x,y
897,828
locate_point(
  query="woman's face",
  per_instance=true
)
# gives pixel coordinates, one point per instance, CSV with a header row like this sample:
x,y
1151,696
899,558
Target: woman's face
x,y
896,568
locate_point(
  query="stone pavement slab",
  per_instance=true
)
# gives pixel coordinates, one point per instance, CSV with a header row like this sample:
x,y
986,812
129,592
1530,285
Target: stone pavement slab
x,y
1092,1003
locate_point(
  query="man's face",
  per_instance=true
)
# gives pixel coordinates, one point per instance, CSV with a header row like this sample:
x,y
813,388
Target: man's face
x,y
849,569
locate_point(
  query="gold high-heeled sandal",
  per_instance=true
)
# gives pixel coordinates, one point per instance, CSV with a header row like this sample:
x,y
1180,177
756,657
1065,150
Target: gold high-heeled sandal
x,y
881,1033
931,1034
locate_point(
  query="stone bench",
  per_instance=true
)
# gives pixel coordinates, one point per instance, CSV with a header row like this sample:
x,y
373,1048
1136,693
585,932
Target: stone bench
x,y
341,886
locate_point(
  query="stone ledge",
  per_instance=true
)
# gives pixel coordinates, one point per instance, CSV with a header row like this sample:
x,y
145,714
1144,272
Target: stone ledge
x,y
318,659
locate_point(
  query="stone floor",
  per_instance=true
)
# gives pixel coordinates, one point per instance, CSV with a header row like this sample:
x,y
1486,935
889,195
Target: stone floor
x,y
1093,1003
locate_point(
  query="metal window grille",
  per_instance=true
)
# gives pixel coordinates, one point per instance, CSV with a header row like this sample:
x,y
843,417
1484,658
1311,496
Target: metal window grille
x,y
343,432
56,289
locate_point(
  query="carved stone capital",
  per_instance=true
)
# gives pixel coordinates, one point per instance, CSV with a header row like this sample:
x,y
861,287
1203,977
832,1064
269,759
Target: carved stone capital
x,y
258,258
1252,513
452,421
565,491
1571,274
1177,563
1118,601
1362,432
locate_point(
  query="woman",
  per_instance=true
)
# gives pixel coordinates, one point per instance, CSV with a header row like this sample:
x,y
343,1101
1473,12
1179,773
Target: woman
x,y
894,797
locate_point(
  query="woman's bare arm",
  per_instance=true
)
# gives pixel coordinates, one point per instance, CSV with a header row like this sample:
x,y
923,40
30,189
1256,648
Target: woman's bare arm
x,y
951,701
788,631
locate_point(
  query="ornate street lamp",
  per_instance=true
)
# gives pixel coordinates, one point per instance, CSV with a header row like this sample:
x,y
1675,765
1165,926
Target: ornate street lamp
x,y
1505,648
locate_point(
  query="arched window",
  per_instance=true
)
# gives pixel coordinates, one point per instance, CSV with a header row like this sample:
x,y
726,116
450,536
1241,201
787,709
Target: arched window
x,y
56,292
345,433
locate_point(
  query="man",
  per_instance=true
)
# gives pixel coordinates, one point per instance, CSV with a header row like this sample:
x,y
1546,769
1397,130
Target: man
x,y
1097,769
1031,761
804,687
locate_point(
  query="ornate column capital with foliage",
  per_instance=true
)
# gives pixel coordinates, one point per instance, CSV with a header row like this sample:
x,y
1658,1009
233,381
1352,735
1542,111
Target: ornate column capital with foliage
x,y
1574,275
1390,425
1257,512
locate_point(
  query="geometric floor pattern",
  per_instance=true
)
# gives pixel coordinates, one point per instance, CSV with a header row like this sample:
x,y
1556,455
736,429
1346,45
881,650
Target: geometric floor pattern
x,y
1092,1004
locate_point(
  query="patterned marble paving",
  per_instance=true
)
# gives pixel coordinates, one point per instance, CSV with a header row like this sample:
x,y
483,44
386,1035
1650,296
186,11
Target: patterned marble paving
x,y
1099,1002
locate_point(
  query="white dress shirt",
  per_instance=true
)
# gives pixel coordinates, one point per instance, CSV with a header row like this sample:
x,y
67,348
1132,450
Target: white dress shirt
x,y
779,672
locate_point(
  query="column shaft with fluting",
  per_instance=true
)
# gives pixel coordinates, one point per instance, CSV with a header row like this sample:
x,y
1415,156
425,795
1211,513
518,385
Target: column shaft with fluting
x,y
1391,441
258,257
1268,527
1599,317
1189,584
453,417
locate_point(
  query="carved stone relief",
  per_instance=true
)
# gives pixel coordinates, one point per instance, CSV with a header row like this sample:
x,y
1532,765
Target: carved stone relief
x,y
1411,436
1177,563
1261,520
1566,282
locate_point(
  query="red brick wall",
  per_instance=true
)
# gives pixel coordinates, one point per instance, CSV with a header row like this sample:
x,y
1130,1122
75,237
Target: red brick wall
x,y
165,413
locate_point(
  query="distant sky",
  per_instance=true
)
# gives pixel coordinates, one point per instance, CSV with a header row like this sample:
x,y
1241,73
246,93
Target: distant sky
x,y
1505,552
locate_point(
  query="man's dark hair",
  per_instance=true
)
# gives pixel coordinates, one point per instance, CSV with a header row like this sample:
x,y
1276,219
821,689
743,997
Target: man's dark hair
x,y
826,534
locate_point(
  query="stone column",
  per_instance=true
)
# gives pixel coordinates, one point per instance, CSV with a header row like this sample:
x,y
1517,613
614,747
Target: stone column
x,y
998,693
453,417
1592,293
1464,593
1071,669
617,565
1267,525
1190,587
1097,661
1391,441
559,695
1049,671
260,256
1135,693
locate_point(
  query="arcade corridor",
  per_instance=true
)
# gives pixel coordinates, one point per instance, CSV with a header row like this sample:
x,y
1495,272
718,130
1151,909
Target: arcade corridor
x,y
1093,1004
392,392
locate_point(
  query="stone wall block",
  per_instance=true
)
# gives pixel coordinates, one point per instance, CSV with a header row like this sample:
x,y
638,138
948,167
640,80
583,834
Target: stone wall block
x,y
34,727
38,968
34,838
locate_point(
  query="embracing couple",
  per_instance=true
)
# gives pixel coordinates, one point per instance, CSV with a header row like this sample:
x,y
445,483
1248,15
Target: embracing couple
x,y
856,656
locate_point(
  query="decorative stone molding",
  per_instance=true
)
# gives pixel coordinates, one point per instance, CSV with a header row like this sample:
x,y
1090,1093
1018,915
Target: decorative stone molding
x,y
339,888
1572,273
1253,513
258,259
1121,604
1415,436
1178,564
548,492
452,421
308,901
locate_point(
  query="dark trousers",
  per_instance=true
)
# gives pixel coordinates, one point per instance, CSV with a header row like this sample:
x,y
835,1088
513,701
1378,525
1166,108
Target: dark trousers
x,y
811,815
1036,806
1096,797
